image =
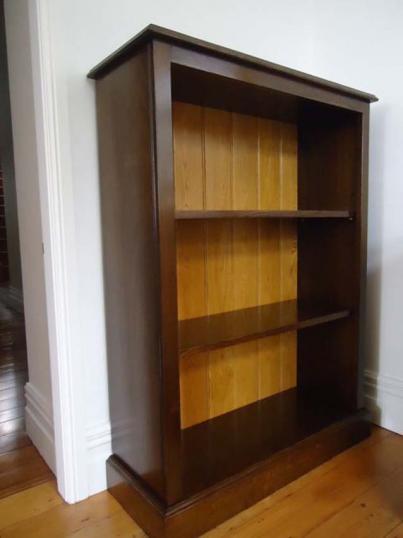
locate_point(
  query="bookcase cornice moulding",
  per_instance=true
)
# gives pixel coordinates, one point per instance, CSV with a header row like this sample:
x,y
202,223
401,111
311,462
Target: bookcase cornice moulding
x,y
234,197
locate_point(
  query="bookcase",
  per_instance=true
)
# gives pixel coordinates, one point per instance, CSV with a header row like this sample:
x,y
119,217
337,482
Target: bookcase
x,y
234,201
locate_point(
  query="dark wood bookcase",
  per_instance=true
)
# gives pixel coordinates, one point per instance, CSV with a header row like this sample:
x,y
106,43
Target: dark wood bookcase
x,y
234,202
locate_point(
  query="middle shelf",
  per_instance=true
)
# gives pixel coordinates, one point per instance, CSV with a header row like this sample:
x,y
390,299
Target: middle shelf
x,y
229,328
257,214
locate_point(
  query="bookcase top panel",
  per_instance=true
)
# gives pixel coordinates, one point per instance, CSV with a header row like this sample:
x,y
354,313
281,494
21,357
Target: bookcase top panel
x,y
152,32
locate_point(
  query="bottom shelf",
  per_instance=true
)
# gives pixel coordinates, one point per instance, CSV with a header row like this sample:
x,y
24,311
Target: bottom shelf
x,y
221,447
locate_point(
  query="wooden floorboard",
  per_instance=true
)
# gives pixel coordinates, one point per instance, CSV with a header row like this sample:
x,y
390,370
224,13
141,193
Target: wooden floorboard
x,y
357,494
13,376
13,441
21,466
22,469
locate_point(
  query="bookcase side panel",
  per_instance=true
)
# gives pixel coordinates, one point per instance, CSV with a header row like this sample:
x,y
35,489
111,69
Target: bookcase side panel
x,y
131,268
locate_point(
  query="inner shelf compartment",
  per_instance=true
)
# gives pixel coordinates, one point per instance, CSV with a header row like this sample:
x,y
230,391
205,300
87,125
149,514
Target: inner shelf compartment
x,y
225,445
264,241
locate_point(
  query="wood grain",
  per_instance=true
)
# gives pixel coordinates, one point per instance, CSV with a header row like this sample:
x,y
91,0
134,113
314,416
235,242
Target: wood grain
x,y
131,265
153,31
327,501
350,495
245,245
226,161
31,502
21,469
215,331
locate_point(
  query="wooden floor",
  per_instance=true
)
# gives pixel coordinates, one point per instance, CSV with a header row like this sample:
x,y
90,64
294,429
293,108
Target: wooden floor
x,y
21,466
357,494
13,376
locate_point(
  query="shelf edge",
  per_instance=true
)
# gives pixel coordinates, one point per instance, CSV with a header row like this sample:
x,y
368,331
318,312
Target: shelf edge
x,y
234,214
300,325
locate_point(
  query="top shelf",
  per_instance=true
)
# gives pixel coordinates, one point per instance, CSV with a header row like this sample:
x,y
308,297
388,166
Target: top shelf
x,y
257,214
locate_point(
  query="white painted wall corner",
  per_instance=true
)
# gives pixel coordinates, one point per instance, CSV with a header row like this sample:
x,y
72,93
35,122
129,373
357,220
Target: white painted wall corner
x,y
39,424
384,398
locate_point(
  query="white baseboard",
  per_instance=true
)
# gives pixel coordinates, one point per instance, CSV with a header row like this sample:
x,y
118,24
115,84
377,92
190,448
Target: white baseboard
x,y
99,448
384,398
39,424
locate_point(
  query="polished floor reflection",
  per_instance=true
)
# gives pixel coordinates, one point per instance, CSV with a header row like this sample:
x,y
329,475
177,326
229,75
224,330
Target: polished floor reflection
x,y
20,464
13,376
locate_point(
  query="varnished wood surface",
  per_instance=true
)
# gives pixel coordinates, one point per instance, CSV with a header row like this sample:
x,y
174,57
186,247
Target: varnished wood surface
x,y
21,466
131,265
229,328
356,494
13,376
226,161
252,434
257,214
153,31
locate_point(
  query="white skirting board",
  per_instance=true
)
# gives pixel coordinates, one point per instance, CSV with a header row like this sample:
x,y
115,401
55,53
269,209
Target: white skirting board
x,y
384,398
99,448
40,430
39,424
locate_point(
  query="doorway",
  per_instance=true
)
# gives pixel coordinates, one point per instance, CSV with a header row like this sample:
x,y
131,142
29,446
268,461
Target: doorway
x,y
21,466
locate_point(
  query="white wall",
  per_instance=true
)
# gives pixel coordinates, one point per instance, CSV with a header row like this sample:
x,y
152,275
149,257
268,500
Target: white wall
x,y
356,43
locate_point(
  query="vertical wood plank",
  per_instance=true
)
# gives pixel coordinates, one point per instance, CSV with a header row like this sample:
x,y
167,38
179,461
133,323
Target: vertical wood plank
x,y
288,359
220,268
288,261
218,146
288,169
245,149
269,164
269,270
218,174
221,381
269,262
270,367
188,156
191,270
245,249
288,248
194,387
220,298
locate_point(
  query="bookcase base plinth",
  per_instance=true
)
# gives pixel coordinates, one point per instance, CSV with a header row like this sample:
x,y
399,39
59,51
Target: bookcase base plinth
x,y
207,509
